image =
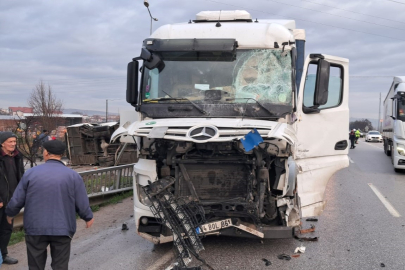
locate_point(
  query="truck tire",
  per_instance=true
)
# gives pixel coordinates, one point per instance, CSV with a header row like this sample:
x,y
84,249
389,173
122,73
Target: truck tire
x,y
386,151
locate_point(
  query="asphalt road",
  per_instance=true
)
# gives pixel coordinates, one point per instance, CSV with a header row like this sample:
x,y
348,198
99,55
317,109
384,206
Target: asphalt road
x,y
105,246
358,230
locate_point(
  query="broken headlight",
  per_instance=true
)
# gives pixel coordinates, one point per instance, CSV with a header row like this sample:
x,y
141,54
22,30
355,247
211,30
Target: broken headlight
x,y
142,197
401,149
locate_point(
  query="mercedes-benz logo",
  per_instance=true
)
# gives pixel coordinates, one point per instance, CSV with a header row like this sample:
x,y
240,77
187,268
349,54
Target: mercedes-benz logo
x,y
203,133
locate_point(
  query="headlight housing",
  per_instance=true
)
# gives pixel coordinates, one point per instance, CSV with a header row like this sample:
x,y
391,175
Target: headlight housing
x,y
401,149
142,197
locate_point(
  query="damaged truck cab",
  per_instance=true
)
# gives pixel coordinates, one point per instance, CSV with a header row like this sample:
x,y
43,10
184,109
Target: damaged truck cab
x,y
235,123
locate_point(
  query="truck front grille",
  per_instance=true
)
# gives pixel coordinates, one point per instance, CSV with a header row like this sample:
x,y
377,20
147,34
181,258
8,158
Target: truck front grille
x,y
216,182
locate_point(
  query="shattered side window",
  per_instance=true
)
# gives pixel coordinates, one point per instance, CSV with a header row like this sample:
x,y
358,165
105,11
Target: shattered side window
x,y
263,75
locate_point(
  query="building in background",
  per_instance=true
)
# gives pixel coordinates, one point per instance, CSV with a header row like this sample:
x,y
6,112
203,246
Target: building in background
x,y
19,110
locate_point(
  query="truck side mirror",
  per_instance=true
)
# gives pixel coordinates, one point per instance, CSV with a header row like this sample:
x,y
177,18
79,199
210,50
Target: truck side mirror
x,y
151,61
146,55
322,83
132,83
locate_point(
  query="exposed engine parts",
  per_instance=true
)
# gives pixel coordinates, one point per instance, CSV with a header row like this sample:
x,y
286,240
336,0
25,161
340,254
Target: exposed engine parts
x,y
225,180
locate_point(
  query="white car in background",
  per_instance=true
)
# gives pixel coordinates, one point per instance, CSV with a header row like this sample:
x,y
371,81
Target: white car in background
x,y
374,136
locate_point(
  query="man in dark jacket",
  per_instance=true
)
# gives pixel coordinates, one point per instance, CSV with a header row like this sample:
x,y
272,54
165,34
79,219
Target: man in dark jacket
x,y
39,141
352,138
51,194
11,171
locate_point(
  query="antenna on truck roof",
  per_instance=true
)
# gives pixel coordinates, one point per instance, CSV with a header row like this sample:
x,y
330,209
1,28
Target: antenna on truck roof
x,y
219,18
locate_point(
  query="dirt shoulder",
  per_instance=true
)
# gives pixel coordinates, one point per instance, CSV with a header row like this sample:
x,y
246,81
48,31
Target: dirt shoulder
x,y
107,217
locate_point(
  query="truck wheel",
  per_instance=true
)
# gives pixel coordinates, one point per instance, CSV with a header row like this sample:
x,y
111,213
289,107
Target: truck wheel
x,y
386,151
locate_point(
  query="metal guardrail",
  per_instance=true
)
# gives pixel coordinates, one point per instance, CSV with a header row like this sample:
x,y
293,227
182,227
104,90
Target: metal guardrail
x,y
108,180
100,183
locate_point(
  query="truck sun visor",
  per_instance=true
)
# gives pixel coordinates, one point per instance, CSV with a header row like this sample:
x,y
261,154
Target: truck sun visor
x,y
193,49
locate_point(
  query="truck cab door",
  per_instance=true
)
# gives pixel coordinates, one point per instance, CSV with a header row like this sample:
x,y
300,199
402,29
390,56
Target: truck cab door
x,y
322,130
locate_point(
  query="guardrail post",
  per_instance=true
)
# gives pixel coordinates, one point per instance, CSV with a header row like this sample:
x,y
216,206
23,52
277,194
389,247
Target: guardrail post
x,y
118,179
93,181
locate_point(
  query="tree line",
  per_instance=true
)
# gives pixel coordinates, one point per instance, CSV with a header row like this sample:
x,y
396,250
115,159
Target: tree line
x,y
361,124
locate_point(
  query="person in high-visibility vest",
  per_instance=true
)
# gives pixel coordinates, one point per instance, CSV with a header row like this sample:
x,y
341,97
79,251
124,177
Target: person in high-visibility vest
x,y
357,135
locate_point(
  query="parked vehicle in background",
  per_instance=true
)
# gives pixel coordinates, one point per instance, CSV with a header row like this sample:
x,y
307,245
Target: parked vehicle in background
x,y
88,144
374,136
362,134
393,123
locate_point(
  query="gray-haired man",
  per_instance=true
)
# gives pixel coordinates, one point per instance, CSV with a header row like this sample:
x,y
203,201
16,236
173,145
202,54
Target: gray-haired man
x,y
11,171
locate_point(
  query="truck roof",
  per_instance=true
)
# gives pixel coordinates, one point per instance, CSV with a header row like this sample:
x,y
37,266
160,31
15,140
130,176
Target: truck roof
x,y
399,79
248,34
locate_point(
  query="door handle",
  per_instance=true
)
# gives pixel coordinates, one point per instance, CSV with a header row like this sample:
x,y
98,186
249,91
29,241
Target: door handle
x,y
341,145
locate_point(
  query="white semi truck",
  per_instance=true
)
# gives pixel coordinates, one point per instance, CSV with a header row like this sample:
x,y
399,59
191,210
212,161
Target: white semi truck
x,y
234,120
393,123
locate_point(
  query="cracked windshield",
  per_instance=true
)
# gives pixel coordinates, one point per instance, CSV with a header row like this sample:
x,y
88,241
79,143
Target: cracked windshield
x,y
255,75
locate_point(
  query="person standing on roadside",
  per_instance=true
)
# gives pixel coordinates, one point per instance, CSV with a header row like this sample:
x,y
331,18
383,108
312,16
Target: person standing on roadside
x,y
357,133
352,138
43,137
51,194
11,172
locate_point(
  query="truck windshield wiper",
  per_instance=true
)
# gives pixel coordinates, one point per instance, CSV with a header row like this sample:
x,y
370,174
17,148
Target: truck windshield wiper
x,y
247,99
201,110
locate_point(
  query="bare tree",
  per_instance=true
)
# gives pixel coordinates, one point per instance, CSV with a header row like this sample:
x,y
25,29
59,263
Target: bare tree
x,y
25,139
45,105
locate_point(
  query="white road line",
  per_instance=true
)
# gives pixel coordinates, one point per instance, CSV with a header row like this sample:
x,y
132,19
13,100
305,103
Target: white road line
x,y
370,144
386,203
163,261
351,161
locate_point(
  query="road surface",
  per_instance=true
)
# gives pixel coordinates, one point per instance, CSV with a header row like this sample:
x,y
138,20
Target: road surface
x,y
362,227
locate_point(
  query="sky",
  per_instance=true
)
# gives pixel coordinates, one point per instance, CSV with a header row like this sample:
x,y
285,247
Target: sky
x,y
80,48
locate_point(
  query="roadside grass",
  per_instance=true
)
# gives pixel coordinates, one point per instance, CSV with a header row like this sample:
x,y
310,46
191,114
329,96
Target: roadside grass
x,y
113,200
97,183
18,236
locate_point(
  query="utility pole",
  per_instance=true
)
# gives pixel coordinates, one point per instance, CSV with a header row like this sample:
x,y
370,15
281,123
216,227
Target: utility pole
x,y
379,115
106,110
146,4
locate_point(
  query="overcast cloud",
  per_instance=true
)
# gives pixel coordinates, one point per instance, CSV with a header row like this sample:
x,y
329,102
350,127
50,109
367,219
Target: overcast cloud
x,y
81,48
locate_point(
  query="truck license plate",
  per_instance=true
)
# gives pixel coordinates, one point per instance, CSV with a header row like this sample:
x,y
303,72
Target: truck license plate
x,y
215,226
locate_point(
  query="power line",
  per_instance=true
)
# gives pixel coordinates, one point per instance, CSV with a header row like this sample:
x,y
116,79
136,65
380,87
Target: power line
x,y
397,2
383,25
351,11
92,79
306,20
73,82
370,76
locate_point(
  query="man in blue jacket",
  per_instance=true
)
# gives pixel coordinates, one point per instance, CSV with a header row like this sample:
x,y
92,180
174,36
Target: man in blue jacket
x,y
51,194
